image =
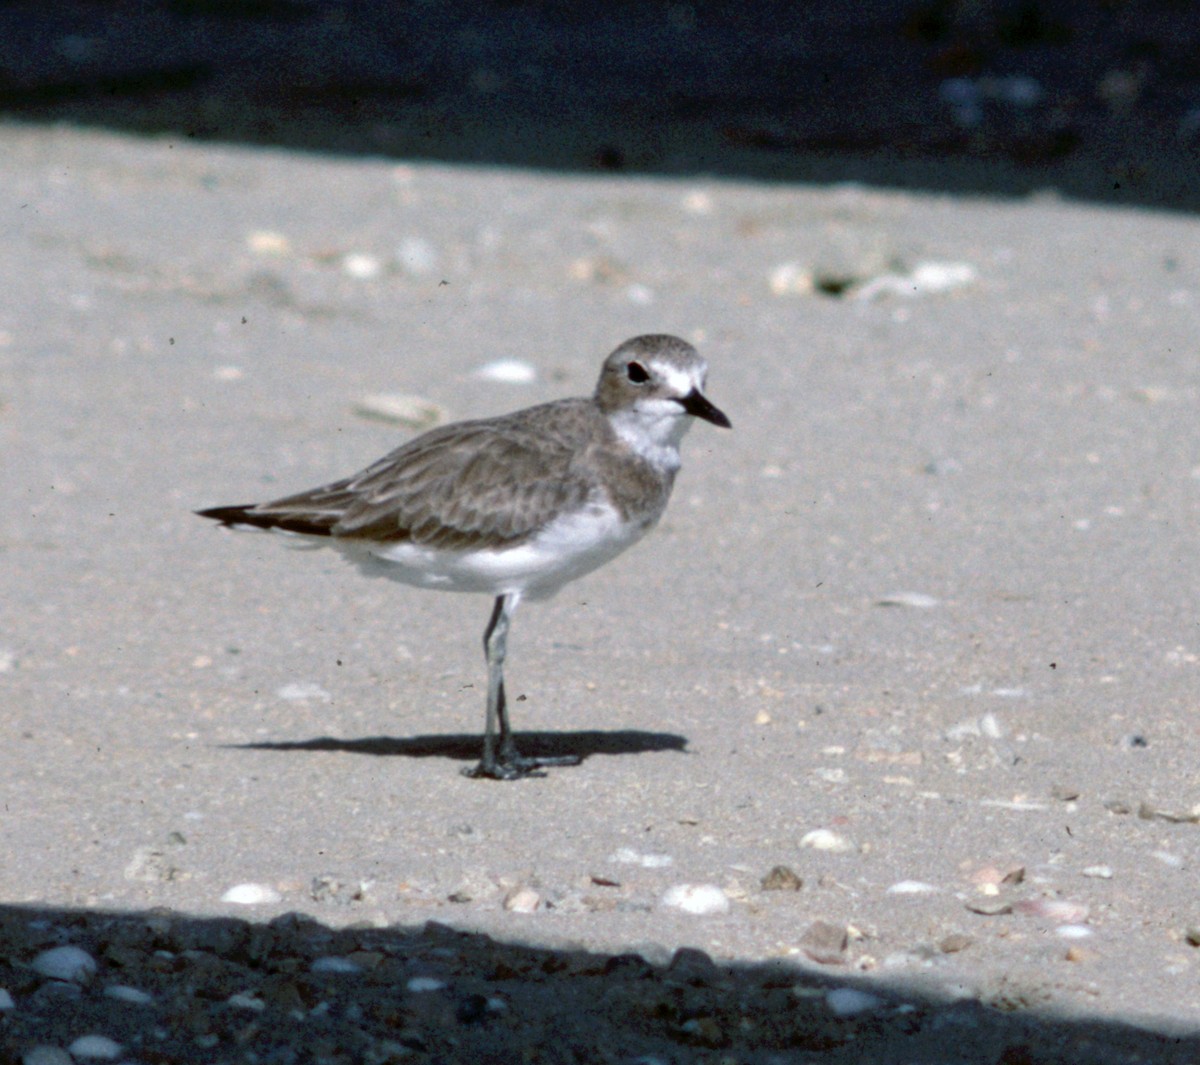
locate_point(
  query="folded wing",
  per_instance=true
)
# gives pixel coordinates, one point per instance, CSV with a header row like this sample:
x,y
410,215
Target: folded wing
x,y
474,484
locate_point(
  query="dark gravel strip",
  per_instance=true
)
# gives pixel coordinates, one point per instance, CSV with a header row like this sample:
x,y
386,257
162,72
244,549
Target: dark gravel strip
x,y
161,987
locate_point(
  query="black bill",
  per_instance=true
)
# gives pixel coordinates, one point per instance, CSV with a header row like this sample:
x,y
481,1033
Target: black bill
x,y
697,405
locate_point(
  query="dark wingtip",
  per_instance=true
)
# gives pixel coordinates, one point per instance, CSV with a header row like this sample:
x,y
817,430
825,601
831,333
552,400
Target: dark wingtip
x,y
233,515
250,515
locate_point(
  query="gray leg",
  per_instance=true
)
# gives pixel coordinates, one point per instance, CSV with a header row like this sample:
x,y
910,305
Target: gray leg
x,y
501,760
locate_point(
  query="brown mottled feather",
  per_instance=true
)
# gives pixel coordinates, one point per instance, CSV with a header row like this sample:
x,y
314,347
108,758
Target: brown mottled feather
x,y
477,483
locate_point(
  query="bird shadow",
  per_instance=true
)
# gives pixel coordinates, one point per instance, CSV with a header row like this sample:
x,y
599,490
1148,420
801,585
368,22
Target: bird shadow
x,y
466,746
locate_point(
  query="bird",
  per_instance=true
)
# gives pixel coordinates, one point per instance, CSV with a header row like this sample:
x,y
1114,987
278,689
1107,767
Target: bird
x,y
514,506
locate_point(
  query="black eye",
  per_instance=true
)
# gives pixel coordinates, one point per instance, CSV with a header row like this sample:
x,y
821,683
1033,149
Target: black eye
x,y
637,373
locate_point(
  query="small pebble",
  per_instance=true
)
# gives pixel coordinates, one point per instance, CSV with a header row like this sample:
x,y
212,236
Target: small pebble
x,y
415,412
849,1001
925,279
251,895
265,242
95,1048
628,856
1020,90
1074,931
696,898
1175,817
781,878
825,943
46,1055
1097,872
990,907
242,1001
333,964
1192,935
6,1000
508,371
420,984
522,900
131,995
1058,911
823,839
698,203
915,600
791,279
993,875
954,942
301,690
911,887
362,266
65,963
989,726
941,277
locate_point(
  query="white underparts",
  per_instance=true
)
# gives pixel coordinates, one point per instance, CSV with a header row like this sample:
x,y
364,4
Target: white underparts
x,y
568,547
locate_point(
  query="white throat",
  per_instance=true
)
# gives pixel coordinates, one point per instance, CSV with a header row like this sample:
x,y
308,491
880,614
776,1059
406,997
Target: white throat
x,y
653,429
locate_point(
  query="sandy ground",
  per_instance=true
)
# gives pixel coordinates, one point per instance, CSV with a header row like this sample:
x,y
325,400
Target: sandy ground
x,y
919,630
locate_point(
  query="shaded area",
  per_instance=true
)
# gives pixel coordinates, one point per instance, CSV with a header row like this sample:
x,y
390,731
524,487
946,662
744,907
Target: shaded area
x,y
466,747
207,989
1099,100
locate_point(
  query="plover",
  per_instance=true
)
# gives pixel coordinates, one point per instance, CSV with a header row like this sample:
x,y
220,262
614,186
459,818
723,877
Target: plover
x,y
514,506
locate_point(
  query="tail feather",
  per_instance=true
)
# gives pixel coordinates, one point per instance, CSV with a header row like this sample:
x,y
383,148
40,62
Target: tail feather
x,y
259,519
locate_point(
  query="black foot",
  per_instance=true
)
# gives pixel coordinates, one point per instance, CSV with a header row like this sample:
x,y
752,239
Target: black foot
x,y
514,766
